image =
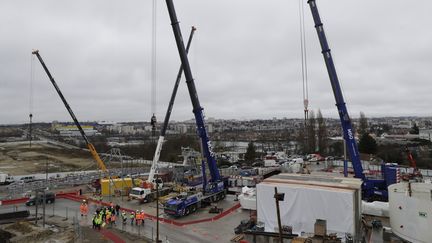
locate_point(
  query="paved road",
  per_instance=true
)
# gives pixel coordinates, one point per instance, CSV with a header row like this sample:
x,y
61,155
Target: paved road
x,y
220,230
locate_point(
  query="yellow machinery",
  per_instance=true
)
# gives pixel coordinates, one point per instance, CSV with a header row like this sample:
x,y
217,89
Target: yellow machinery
x,y
110,186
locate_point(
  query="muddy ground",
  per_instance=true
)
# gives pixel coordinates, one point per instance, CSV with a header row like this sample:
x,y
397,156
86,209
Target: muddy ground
x,y
58,230
19,159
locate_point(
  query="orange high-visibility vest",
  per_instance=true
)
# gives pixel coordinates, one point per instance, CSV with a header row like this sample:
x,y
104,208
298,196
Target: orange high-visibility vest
x,y
82,209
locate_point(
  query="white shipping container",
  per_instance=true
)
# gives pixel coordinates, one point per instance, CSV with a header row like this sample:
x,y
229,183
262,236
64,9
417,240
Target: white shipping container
x,y
309,197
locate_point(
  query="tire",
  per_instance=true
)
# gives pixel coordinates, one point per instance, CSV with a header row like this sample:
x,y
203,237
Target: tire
x,y
193,208
49,201
187,211
213,198
223,195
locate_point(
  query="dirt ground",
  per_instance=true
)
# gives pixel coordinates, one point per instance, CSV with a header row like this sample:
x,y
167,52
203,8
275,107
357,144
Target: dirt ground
x,y
19,159
57,230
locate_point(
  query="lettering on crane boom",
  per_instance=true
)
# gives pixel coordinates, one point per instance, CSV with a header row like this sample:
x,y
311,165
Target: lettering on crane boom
x,y
350,134
210,148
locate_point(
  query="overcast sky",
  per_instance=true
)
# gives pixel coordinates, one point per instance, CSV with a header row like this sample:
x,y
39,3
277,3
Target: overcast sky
x,y
245,58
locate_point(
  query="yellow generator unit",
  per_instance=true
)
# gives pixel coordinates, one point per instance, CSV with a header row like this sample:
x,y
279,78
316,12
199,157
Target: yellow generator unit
x,y
110,186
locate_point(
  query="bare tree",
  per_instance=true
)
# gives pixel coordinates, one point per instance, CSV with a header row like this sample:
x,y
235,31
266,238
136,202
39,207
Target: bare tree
x,y
322,133
311,134
363,125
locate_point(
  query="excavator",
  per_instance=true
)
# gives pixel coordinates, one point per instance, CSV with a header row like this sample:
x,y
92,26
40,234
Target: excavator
x,y
416,174
90,146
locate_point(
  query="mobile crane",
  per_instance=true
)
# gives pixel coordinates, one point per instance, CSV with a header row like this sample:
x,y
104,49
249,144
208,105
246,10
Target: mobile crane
x,y
215,189
145,193
371,188
90,146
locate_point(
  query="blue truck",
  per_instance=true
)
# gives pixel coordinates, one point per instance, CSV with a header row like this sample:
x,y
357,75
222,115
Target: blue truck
x,y
187,203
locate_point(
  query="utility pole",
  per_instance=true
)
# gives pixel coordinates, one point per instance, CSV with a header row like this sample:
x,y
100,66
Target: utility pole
x,y
157,209
279,197
44,192
36,203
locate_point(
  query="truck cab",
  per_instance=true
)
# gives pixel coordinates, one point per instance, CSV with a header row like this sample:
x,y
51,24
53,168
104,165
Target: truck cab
x,y
142,194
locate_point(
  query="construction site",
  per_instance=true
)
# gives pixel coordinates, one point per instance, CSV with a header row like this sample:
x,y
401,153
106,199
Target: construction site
x,y
74,182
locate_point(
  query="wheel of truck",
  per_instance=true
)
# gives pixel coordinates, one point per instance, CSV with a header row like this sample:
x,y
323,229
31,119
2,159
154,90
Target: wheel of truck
x,y
187,211
193,208
213,198
49,201
223,195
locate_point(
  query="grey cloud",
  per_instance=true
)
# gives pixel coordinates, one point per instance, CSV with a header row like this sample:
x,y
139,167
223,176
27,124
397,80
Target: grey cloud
x,y
245,58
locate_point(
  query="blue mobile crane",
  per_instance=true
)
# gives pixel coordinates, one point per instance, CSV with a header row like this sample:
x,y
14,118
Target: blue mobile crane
x,y
214,189
372,189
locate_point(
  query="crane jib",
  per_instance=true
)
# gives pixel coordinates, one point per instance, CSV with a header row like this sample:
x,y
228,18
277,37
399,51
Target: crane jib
x,y
197,110
348,133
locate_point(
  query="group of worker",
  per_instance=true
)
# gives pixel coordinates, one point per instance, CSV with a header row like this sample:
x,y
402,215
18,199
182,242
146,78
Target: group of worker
x,y
108,216
138,217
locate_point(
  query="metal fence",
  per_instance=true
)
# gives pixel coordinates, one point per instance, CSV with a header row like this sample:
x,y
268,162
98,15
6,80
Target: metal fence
x,y
73,179
82,225
377,168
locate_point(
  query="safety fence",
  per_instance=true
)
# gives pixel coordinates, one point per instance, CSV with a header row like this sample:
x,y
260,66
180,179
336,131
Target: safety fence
x,y
78,198
70,180
377,168
82,225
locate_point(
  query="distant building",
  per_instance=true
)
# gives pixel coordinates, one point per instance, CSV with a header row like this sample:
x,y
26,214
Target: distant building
x,y
72,131
425,134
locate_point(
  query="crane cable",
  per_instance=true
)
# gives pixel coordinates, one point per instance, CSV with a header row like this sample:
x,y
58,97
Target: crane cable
x,y
153,70
304,61
304,71
32,75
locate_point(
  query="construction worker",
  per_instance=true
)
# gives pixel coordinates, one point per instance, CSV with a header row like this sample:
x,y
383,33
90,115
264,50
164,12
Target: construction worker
x,y
82,208
132,217
94,219
108,217
117,209
142,217
100,219
86,209
113,218
137,217
124,217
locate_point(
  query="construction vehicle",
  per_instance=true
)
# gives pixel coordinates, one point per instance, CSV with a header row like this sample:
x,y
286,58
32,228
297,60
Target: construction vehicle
x,y
146,192
372,189
6,179
90,146
214,190
415,174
